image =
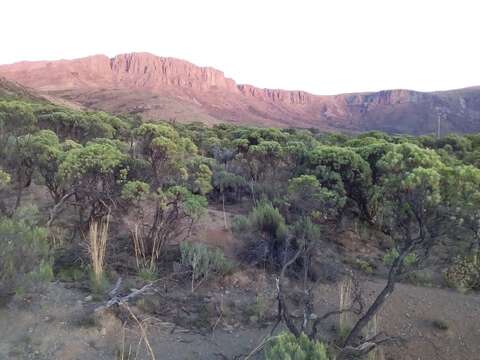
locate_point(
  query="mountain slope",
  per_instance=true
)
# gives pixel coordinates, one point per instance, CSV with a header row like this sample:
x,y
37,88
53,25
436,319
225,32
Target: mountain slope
x,y
172,89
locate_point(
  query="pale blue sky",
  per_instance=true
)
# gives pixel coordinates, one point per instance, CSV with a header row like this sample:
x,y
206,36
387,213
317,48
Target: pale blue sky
x,y
324,47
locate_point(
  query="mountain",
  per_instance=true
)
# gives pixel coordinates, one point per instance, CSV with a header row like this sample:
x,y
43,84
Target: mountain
x,y
173,89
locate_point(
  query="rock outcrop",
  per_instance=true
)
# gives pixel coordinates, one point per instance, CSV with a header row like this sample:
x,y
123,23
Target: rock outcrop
x,y
168,88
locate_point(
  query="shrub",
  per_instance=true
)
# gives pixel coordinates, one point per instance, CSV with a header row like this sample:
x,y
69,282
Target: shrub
x,y
288,347
392,254
25,253
364,266
203,261
464,274
265,233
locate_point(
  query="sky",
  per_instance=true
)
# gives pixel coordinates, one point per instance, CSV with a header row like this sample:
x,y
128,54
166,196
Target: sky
x,y
321,46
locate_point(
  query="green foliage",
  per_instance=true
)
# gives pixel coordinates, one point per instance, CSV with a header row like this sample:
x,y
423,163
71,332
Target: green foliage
x,y
364,266
4,178
193,205
268,222
287,347
203,261
92,159
16,118
295,180
135,190
464,274
392,254
25,252
308,196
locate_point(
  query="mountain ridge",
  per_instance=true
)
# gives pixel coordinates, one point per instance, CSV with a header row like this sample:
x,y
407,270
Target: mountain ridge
x,y
173,89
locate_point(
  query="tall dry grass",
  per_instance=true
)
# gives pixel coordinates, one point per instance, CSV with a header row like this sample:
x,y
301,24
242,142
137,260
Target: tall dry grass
x,y
145,259
97,246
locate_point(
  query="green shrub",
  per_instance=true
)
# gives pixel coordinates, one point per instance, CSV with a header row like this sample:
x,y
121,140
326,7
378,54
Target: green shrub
x,y
25,253
364,266
464,274
288,347
392,254
265,234
203,261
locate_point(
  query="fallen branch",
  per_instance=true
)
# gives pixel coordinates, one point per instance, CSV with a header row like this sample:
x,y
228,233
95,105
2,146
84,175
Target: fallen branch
x,y
119,300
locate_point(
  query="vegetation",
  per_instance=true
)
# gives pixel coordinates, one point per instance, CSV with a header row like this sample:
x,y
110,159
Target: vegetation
x,y
202,262
144,186
286,346
25,253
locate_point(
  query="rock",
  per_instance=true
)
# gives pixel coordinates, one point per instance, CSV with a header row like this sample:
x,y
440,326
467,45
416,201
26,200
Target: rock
x,y
88,298
136,82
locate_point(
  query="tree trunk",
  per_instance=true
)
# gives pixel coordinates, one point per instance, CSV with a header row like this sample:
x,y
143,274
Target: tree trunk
x,y
380,300
372,310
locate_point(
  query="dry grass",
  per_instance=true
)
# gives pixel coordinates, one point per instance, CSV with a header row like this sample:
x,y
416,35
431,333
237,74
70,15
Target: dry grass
x,y
145,260
97,246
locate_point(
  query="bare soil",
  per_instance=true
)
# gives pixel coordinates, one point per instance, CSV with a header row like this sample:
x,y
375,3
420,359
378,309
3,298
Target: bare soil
x,y
224,319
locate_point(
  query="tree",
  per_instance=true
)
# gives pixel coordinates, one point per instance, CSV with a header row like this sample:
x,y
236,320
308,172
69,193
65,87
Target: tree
x,y
412,215
94,173
462,192
166,152
16,119
354,175
262,160
227,183
175,210
308,198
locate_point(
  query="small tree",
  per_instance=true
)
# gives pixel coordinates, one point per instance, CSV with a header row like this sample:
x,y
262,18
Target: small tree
x,y
175,211
413,213
94,173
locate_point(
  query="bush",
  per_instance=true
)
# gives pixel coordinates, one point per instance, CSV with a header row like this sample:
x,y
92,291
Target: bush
x,y
25,253
203,261
364,266
392,254
265,234
288,347
464,274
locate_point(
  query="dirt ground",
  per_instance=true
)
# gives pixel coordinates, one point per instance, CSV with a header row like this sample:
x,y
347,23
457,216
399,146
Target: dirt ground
x,y
224,319
59,323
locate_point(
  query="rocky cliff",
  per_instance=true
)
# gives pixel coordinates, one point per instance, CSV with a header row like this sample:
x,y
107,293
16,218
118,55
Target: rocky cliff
x,y
168,88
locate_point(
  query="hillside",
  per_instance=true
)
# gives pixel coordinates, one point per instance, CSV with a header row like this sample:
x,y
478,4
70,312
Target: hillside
x,y
173,89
